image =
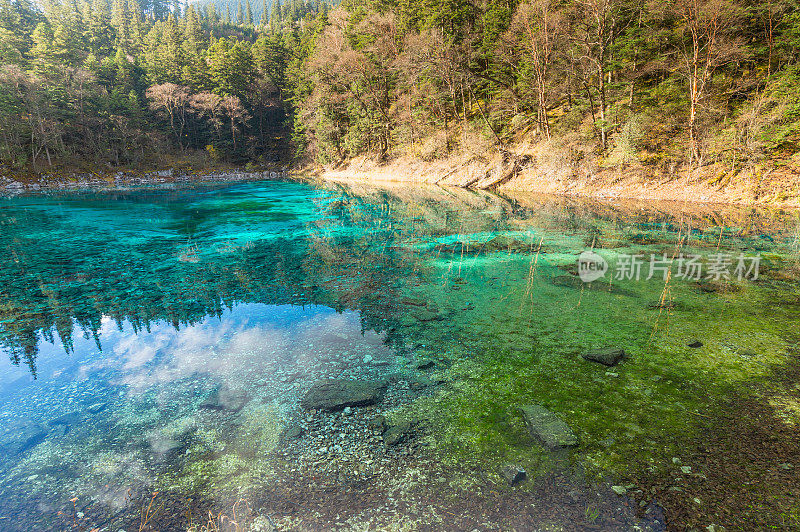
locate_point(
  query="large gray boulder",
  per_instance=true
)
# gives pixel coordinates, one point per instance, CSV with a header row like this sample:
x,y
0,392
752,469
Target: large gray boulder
x,y
548,428
336,394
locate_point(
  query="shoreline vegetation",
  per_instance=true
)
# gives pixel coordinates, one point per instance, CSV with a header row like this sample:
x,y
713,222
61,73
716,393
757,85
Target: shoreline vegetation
x,y
694,100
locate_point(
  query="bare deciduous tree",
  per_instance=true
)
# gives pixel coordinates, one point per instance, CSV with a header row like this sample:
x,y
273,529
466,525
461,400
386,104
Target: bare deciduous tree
x,y
596,28
174,100
209,105
237,114
536,26
706,47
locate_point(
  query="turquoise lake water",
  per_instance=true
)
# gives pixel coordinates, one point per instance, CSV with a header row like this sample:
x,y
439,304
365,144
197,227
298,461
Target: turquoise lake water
x,y
158,348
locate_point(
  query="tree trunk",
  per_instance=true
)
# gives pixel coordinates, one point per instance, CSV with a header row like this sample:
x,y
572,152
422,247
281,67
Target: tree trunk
x,y
601,87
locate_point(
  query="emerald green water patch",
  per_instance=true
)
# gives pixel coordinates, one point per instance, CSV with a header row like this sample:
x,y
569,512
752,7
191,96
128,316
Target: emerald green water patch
x,y
519,338
165,341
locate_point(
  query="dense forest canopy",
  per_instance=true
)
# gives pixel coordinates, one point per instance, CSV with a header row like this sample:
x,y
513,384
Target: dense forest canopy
x,y
620,82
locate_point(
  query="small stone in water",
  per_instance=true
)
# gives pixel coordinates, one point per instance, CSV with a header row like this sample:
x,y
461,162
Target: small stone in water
x,y
367,359
696,344
619,490
80,515
425,364
547,427
608,356
686,469
347,411
292,432
513,474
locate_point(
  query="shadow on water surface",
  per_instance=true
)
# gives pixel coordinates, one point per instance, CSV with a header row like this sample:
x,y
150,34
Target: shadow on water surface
x,y
169,341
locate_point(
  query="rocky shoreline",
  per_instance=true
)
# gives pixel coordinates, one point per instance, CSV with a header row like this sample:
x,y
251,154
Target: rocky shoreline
x,y
48,182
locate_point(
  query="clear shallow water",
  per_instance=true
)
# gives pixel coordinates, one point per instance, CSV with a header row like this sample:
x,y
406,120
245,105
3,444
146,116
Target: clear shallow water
x,y
162,341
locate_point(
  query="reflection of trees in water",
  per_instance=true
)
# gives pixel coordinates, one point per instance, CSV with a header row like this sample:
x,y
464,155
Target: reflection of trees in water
x,y
355,253
347,262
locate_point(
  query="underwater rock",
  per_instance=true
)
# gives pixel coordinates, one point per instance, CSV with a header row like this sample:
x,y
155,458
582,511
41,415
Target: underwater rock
x,y
608,356
292,432
419,382
59,430
68,420
513,474
225,399
425,364
548,427
335,394
97,407
20,437
695,344
397,433
377,424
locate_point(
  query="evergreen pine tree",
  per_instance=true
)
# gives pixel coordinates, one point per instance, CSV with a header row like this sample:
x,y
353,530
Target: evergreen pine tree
x,y
171,51
120,20
135,33
43,57
193,33
275,16
99,32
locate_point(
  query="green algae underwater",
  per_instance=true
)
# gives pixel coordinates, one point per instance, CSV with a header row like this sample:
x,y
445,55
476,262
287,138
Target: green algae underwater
x,y
163,344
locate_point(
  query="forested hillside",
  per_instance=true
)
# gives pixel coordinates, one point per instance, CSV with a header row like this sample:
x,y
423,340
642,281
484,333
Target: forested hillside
x,y
127,83
599,82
